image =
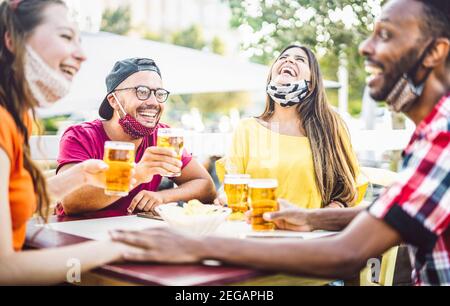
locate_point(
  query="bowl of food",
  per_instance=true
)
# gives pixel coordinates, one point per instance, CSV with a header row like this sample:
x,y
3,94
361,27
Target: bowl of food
x,y
193,217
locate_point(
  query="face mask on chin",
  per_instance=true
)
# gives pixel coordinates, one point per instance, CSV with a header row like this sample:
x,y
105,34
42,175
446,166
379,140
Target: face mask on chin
x,y
131,126
288,95
405,93
46,85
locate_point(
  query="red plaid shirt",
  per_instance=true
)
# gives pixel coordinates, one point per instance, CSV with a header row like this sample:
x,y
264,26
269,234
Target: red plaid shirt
x,y
417,205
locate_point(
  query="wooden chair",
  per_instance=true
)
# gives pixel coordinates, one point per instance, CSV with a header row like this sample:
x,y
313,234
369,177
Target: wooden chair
x,y
378,176
44,148
386,270
383,178
44,152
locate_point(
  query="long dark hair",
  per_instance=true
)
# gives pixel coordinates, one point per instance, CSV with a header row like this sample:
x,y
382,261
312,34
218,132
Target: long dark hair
x,y
333,167
18,19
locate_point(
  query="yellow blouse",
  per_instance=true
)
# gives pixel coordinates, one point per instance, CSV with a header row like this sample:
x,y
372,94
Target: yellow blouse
x,y
263,153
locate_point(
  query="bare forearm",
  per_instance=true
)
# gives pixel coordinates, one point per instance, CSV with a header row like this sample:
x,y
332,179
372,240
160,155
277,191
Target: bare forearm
x,y
65,182
87,199
324,258
200,189
51,266
342,255
333,219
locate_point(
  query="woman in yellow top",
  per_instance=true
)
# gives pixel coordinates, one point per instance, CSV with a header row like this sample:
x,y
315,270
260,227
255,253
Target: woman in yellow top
x,y
299,139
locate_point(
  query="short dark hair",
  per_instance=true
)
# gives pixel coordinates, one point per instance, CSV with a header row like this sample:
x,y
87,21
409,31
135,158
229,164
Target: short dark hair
x,y
436,21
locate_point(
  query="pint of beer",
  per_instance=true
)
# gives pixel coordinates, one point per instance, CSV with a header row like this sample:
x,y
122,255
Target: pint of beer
x,y
172,138
236,189
262,199
120,158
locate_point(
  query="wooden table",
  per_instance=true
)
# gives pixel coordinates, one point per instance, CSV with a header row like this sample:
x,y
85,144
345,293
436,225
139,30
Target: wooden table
x,y
159,274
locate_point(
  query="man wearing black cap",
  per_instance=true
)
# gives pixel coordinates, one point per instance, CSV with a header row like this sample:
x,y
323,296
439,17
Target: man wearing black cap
x,y
408,58
131,111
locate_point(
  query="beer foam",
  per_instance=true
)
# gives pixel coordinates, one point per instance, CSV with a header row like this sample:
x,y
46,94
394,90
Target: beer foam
x,y
263,183
169,132
236,179
119,145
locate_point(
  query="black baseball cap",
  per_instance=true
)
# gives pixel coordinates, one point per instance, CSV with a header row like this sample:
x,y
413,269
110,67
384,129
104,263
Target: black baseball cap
x,y
120,72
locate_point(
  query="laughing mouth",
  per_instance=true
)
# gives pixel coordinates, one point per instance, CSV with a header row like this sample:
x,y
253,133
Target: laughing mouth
x,y
151,114
68,70
373,72
288,70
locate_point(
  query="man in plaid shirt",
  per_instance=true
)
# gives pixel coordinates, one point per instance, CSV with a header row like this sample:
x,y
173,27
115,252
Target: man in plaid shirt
x,y
408,59
417,205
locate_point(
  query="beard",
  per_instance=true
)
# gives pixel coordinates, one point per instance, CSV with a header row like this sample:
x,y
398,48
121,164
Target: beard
x,y
404,65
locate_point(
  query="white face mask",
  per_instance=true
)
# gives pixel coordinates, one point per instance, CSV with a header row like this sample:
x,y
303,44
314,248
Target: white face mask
x,y
288,95
46,84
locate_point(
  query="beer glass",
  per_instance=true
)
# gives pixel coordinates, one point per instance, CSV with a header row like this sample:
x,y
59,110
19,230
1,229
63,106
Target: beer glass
x,y
120,158
262,199
172,138
236,189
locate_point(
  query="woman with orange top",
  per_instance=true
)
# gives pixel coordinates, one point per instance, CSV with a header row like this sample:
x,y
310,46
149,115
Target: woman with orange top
x,y
39,55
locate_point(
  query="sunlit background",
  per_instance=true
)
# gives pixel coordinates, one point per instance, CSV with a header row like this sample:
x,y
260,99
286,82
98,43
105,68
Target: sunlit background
x,y
215,55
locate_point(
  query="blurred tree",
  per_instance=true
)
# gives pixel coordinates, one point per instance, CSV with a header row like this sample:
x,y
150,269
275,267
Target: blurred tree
x,y
209,104
49,126
218,46
192,37
222,103
331,28
149,35
117,21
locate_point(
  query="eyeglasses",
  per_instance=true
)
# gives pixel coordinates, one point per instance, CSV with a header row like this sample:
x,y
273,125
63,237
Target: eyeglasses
x,y
144,92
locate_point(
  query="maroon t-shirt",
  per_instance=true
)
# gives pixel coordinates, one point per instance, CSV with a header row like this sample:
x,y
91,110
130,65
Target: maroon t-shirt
x,y
86,141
